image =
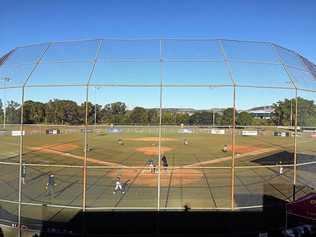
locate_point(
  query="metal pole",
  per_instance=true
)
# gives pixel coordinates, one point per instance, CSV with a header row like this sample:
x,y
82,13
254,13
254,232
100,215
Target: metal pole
x,y
85,152
296,111
84,190
295,146
20,164
291,115
233,149
231,76
21,136
160,124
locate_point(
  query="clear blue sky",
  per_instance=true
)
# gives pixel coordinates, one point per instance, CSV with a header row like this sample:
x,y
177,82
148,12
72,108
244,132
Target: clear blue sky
x,y
290,23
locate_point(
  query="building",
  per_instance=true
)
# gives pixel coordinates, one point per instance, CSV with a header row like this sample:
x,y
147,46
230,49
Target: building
x,y
262,112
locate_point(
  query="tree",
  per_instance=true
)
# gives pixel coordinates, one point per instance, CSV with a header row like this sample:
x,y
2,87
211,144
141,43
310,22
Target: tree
x,y
168,117
152,116
282,112
114,113
138,116
306,112
116,108
201,118
13,113
182,118
245,118
33,112
63,112
227,117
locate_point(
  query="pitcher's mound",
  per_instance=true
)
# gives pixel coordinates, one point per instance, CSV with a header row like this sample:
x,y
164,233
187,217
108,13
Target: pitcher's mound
x,y
152,150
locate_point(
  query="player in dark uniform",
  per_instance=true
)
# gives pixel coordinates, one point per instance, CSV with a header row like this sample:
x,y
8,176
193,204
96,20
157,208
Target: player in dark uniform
x,y
23,172
164,162
50,186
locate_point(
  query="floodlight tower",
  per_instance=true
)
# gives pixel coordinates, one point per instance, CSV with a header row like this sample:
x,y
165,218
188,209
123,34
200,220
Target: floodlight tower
x,y
4,79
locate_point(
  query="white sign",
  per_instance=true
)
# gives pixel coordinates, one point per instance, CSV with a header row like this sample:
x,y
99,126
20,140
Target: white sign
x,y
185,130
217,131
249,133
17,133
309,131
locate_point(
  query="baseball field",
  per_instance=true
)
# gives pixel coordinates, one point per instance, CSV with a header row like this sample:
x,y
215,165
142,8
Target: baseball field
x,y
198,175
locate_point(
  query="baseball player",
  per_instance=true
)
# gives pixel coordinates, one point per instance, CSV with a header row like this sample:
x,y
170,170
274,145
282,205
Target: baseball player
x,y
152,166
23,172
164,162
225,148
120,142
186,142
281,170
118,186
50,186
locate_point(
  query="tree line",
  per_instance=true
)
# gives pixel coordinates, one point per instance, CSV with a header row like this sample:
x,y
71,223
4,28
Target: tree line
x,y
70,113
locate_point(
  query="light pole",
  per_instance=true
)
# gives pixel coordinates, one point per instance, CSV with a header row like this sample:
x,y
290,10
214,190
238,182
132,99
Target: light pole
x,y
213,119
95,108
5,79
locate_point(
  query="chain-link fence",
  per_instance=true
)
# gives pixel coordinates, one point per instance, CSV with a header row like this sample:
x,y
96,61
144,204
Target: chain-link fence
x,y
158,124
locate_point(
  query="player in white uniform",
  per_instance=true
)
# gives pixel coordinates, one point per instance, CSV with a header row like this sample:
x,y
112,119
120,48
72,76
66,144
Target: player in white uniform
x,y
281,169
152,167
118,186
225,148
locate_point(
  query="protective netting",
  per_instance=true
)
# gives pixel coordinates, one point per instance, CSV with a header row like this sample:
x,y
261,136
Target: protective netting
x,y
153,124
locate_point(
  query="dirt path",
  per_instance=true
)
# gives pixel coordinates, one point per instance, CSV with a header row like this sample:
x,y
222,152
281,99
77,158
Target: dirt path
x,y
227,158
65,154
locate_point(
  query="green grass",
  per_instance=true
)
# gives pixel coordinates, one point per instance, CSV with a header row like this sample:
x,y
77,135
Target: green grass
x,y
104,147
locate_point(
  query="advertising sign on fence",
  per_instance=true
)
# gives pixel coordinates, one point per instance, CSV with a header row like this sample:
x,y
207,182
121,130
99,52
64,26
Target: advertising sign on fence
x,y
114,130
249,133
185,130
217,131
281,134
52,131
17,133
